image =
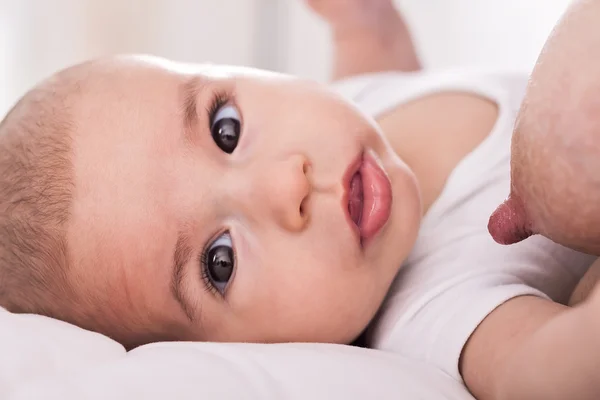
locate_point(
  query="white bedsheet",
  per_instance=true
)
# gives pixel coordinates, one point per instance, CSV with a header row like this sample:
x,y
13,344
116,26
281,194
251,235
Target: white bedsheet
x,y
41,358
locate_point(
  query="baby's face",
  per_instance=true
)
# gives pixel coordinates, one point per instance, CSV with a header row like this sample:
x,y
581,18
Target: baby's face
x,y
211,203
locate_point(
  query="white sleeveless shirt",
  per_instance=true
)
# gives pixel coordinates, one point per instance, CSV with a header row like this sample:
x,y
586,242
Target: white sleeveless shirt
x,y
456,274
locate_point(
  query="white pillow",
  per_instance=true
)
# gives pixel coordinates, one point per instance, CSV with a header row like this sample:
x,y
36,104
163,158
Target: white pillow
x,y
42,358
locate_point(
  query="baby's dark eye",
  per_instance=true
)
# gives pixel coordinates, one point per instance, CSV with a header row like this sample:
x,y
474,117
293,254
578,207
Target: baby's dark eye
x,y
225,128
219,262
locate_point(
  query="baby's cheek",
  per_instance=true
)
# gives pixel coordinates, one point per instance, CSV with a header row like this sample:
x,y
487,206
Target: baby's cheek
x,y
338,299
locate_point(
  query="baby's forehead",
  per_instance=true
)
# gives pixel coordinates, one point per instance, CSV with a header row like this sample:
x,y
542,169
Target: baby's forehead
x,y
208,70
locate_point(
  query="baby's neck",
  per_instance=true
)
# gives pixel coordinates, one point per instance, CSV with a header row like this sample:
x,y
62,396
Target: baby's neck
x,y
425,181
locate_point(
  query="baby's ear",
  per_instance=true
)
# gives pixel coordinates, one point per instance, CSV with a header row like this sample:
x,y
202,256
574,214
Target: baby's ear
x,y
509,223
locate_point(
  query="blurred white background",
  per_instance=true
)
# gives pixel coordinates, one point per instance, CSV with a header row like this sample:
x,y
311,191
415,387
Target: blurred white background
x,y
38,37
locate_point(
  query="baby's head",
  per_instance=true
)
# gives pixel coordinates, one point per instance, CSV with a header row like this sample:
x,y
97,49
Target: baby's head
x,y
149,200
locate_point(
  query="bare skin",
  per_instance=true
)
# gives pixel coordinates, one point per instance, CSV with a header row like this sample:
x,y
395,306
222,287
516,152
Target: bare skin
x,y
586,286
369,36
555,186
555,193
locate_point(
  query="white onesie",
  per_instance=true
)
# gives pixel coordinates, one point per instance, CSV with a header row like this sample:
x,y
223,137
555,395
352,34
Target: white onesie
x,y
456,274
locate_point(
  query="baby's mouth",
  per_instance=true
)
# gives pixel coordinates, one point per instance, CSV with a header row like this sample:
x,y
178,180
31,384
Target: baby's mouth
x,y
368,198
355,199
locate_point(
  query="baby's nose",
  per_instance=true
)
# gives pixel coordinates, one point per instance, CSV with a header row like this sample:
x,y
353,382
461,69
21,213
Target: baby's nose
x,y
286,191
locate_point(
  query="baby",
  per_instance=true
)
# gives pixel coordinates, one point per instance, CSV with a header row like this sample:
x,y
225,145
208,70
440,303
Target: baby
x,y
149,200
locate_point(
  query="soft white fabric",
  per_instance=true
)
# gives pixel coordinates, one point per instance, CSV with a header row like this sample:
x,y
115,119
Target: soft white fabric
x,y
41,358
456,274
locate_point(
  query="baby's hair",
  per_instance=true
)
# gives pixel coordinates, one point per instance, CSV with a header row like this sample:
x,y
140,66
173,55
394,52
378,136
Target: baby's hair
x,y
36,190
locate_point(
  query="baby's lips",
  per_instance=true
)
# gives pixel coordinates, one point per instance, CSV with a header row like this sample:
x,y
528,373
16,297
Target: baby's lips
x,y
509,224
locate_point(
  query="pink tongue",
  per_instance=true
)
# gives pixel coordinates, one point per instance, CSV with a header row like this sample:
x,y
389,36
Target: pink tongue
x,y
509,224
355,202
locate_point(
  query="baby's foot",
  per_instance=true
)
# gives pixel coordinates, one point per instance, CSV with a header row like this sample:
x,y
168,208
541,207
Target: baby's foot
x,y
368,36
349,14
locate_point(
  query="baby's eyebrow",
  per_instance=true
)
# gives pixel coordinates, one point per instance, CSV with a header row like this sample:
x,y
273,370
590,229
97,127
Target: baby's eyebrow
x,y
181,256
189,92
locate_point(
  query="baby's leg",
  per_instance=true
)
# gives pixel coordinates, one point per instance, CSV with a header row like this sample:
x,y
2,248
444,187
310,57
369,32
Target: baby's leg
x,y
368,36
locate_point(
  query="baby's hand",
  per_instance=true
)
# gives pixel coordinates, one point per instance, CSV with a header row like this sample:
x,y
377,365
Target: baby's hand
x,y
351,12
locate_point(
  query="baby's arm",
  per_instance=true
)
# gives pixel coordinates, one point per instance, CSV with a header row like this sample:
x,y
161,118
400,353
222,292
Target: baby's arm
x,y
368,36
586,285
531,348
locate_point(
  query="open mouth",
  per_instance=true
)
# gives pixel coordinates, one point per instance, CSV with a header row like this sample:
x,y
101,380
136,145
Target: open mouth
x,y
355,198
368,197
